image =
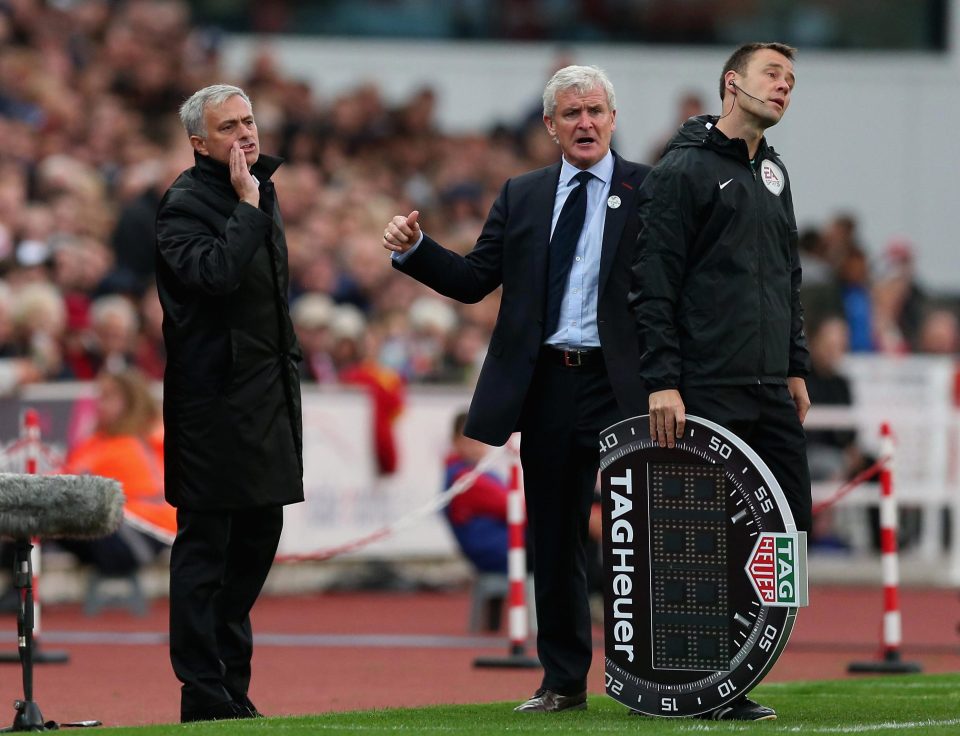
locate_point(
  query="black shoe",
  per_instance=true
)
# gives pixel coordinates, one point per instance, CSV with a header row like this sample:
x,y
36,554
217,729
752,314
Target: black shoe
x,y
547,701
229,710
244,702
742,709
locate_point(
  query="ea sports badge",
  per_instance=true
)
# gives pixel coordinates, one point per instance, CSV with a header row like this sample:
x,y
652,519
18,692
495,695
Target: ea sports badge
x,y
704,568
772,176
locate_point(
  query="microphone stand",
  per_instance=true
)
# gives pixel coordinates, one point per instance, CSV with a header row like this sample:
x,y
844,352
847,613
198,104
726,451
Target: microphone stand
x,y
38,655
28,717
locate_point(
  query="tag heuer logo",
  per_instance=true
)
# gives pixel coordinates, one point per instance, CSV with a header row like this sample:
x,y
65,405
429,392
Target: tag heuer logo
x,y
777,570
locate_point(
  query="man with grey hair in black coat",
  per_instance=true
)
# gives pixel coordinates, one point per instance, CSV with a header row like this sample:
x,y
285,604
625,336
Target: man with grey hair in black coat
x,y
233,444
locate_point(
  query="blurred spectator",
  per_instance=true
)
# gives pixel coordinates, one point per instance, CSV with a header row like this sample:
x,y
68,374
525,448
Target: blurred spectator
x,y
150,354
432,322
837,237
110,343
817,269
7,346
39,322
939,333
415,118
82,268
833,454
14,371
466,348
820,290
689,104
854,275
311,315
127,446
134,238
478,515
353,348
899,302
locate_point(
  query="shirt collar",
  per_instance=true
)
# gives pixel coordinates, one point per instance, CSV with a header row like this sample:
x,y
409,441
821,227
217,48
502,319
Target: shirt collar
x,y
603,169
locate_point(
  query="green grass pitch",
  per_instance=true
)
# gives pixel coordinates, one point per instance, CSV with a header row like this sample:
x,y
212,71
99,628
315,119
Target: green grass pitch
x,y
889,705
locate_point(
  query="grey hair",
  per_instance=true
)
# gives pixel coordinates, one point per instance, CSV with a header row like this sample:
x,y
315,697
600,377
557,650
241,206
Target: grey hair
x,y
191,111
581,78
113,304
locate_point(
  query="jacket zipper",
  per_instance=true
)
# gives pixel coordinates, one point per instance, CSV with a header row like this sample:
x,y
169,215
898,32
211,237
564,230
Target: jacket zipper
x,y
756,214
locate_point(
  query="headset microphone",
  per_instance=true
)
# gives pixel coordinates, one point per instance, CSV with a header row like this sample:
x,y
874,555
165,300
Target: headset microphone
x,y
741,89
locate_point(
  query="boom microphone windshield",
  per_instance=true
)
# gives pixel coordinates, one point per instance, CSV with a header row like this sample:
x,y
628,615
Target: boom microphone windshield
x,y
48,506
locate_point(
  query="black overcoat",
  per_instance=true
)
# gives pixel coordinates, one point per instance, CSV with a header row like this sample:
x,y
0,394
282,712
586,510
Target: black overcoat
x,y
231,409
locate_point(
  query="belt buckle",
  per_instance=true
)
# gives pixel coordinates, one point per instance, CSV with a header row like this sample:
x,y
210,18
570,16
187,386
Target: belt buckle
x,y
568,362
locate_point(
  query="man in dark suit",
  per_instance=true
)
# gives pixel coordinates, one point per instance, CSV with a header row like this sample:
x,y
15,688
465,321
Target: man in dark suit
x,y
563,358
231,403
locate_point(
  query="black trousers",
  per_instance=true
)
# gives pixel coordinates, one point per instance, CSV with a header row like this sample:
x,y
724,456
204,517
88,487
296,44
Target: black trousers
x,y
218,564
565,410
765,417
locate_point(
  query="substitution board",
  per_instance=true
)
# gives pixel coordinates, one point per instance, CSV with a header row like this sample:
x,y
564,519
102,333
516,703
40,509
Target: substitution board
x,y
705,569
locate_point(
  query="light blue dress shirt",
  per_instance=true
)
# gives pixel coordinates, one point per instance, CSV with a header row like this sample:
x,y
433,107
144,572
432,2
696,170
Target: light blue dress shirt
x,y
577,327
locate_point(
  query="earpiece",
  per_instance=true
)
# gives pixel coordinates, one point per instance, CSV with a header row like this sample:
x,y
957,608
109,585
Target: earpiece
x,y
741,89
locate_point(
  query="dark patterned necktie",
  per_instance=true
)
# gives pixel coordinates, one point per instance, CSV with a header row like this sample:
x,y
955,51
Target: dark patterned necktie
x,y
563,245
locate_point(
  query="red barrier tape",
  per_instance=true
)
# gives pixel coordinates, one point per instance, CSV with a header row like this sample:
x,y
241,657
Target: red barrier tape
x,y
434,505
327,554
860,478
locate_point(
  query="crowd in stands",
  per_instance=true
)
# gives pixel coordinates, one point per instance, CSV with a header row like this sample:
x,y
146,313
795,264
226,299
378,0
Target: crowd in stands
x,y
88,98
885,308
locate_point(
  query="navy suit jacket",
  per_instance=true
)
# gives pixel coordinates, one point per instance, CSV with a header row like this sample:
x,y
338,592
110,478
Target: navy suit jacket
x,y
512,251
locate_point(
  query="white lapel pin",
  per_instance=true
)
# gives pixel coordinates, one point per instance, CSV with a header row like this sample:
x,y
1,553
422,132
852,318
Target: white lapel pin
x,y
613,202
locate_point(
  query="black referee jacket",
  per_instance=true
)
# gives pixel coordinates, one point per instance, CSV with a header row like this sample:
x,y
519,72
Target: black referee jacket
x,y
716,276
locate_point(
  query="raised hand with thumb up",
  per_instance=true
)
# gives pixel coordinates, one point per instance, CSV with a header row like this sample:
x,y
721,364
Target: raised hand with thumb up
x,y
402,233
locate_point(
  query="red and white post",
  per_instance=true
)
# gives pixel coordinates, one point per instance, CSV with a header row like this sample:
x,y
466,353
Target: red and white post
x,y
516,564
517,579
891,633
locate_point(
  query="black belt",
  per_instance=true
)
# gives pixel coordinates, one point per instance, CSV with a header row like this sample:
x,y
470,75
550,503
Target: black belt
x,y
572,358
